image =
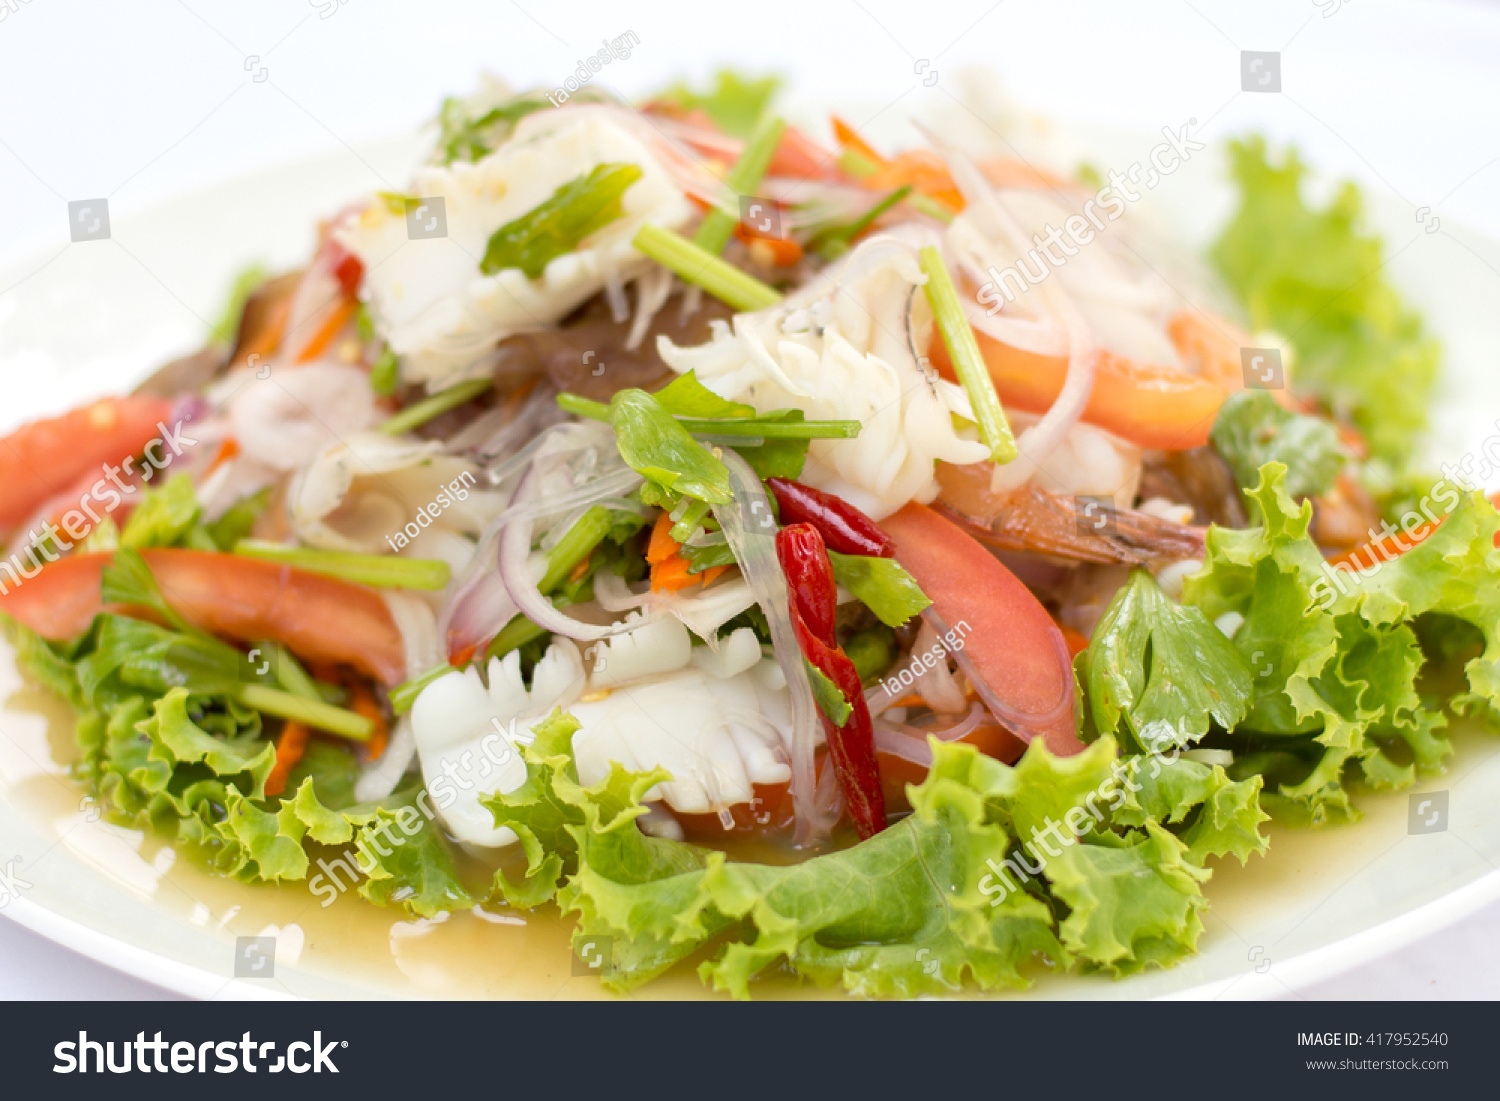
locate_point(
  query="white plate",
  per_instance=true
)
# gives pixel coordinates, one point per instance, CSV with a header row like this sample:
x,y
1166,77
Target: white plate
x,y
102,313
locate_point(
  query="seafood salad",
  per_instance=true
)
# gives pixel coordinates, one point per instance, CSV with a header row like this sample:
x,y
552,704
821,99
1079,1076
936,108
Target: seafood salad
x,y
771,550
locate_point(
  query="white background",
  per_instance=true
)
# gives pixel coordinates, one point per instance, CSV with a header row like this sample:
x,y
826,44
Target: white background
x,y
142,101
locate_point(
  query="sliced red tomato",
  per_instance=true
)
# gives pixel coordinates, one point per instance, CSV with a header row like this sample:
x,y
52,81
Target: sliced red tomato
x,y
1016,647
44,458
1152,406
318,618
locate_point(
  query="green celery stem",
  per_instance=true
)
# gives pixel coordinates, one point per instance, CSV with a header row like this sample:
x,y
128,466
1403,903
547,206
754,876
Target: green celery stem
x,y
717,226
419,413
315,713
377,570
703,269
968,364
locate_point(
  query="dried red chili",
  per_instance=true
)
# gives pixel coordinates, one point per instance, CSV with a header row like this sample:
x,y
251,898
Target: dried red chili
x,y
843,527
812,599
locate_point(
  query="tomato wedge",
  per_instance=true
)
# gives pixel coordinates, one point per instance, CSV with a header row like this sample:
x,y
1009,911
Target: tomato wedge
x,y
42,459
1152,406
318,618
1014,644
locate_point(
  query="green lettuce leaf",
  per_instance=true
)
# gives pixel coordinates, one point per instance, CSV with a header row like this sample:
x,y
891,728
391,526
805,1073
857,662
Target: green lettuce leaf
x,y
165,517
919,908
1336,656
1312,276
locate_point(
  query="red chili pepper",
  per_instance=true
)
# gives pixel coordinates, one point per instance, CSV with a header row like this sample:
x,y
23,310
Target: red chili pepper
x,y
812,599
809,578
843,527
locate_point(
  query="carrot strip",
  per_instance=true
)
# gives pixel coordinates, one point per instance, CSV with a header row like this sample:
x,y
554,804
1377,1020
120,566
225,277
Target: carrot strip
x,y
228,451
289,750
363,702
331,328
850,139
784,252
1077,644
672,574
662,545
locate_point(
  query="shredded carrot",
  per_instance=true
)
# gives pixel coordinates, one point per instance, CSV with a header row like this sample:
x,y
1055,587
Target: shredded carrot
x,y
783,252
924,170
672,574
662,545
850,139
669,570
464,656
363,702
228,450
331,328
517,398
1393,546
577,572
289,750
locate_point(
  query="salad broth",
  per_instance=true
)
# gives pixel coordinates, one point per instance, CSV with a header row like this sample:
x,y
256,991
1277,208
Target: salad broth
x,y
510,954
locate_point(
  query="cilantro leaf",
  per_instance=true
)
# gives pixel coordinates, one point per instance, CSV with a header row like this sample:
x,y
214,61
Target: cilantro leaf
x,y
654,445
830,699
734,102
577,209
1162,668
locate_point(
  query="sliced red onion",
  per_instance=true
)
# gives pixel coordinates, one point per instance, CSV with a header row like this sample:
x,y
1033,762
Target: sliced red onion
x,y
481,604
1023,724
515,551
1037,337
1036,444
613,594
750,526
497,434
909,743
